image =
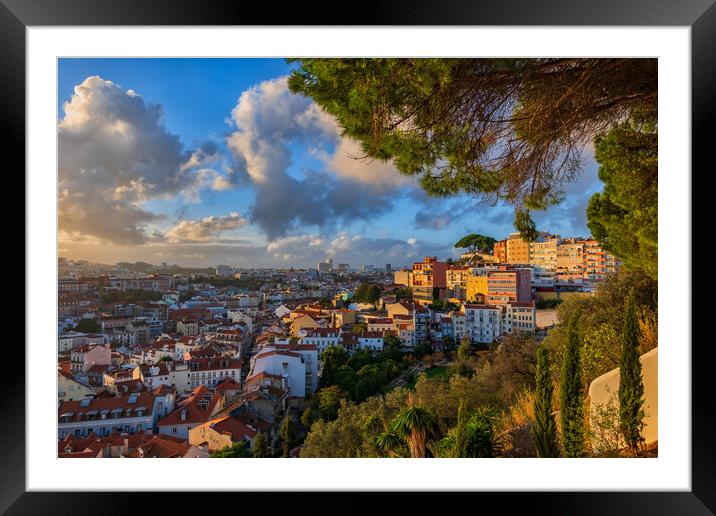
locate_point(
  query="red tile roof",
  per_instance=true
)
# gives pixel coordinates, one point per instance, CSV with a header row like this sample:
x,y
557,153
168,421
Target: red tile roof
x,y
159,446
237,429
197,408
78,410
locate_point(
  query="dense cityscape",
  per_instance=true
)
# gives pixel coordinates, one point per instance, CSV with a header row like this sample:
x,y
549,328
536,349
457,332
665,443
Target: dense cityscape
x,y
155,363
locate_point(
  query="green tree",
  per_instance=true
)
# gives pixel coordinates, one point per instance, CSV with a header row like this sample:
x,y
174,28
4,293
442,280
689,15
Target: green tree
x,y
464,350
601,321
459,437
391,347
631,386
448,342
237,450
261,447
511,129
571,395
287,432
475,242
333,358
329,401
87,326
624,216
360,328
404,294
367,293
350,435
544,427
413,424
308,417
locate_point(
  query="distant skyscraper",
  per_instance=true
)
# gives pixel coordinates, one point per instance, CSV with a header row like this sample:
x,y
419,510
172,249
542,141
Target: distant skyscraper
x,y
387,267
325,265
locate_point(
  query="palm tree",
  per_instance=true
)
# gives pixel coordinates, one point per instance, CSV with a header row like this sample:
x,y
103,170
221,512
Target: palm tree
x,y
412,424
474,437
390,443
384,438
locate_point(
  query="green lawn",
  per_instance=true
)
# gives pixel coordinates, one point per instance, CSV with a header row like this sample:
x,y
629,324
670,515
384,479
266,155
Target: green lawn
x,y
435,372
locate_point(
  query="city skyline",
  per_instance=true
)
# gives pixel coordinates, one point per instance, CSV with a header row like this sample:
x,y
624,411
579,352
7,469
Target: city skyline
x,y
202,162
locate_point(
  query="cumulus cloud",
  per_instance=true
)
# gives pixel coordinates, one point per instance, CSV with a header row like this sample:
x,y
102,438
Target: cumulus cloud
x,y
115,153
442,215
206,229
268,119
569,217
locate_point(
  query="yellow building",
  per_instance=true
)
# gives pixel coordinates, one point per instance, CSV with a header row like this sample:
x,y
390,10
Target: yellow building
x,y
218,433
394,309
343,318
518,250
305,321
69,389
402,277
477,284
570,260
544,254
457,278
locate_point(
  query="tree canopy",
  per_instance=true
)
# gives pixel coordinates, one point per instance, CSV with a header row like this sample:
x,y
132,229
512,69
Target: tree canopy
x,y
475,242
367,293
624,217
501,129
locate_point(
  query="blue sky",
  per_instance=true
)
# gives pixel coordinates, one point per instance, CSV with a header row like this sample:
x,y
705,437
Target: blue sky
x,y
208,161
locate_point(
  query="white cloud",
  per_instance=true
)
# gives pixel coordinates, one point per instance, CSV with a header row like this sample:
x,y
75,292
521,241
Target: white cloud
x,y
268,119
115,154
206,229
355,249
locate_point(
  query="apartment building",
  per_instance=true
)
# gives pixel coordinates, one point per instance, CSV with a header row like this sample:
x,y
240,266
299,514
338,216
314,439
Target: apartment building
x,y
499,285
456,281
500,251
543,252
485,323
428,275
570,261
597,263
402,277
128,414
518,250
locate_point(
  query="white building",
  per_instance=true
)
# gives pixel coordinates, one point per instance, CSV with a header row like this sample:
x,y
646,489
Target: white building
x,y
128,414
485,323
282,311
372,341
73,339
298,366
322,338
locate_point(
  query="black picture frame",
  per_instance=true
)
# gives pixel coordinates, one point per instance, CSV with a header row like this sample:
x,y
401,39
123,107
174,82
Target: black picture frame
x,y
700,15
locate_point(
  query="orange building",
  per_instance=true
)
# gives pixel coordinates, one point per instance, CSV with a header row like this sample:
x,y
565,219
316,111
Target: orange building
x,y
509,286
500,251
518,250
596,262
570,261
500,285
428,275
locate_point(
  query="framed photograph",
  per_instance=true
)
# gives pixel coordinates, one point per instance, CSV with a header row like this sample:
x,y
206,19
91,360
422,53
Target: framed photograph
x,y
414,253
